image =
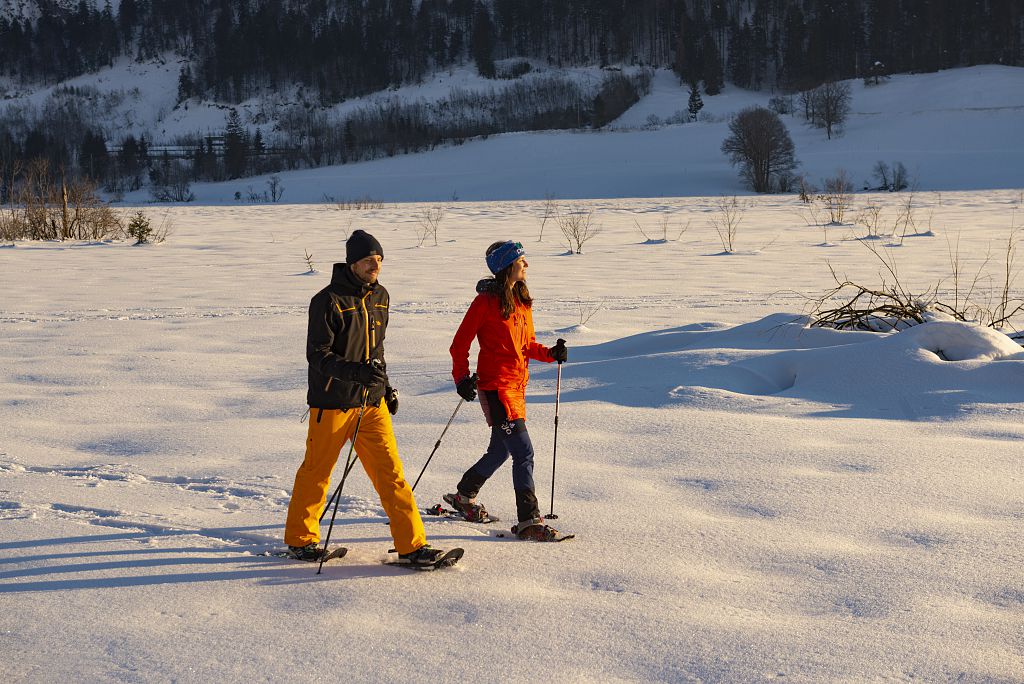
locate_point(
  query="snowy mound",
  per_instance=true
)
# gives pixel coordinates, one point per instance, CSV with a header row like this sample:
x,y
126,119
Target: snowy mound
x,y
934,370
954,341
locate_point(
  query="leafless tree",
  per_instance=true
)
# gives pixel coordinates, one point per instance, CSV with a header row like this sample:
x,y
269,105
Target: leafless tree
x,y
275,188
760,145
831,106
176,186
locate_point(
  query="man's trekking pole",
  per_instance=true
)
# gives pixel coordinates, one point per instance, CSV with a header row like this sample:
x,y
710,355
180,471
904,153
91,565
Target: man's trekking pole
x,y
461,402
336,498
554,451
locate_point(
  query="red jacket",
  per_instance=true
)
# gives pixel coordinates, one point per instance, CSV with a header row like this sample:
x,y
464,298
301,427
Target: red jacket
x,y
506,347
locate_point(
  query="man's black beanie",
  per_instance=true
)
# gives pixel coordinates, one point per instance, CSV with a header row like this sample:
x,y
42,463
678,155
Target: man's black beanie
x,y
361,245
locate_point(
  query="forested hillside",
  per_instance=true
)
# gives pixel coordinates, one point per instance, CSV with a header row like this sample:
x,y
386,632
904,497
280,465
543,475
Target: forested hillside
x,y
297,59
343,48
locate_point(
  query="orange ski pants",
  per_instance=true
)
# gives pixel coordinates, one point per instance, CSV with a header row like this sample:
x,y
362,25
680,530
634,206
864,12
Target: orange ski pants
x,y
375,446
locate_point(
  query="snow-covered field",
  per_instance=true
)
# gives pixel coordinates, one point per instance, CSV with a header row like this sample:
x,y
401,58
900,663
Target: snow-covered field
x,y
753,500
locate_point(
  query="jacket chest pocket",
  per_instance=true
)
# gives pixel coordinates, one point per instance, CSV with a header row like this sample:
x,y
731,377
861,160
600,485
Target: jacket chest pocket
x,y
376,332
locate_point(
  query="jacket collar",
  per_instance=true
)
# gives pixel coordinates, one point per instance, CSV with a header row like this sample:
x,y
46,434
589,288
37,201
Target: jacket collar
x,y
344,281
487,286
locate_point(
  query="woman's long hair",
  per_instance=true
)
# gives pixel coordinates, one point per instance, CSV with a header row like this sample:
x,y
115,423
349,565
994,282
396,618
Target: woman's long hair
x,y
507,297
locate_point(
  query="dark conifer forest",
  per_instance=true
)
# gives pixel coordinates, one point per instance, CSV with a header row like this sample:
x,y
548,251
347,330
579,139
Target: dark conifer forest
x,y
343,48
232,50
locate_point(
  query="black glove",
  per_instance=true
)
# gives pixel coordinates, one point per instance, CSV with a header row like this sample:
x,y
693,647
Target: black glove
x,y
391,399
369,375
466,387
559,353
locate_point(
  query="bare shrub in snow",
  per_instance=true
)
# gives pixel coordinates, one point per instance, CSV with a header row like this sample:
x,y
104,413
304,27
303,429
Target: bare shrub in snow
x,y
587,310
662,232
807,189
577,228
727,220
870,216
46,206
359,203
550,211
428,223
905,218
837,196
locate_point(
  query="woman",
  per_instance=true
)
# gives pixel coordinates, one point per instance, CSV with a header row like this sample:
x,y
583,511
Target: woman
x,y
501,319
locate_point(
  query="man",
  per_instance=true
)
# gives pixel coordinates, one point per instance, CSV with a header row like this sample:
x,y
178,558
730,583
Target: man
x,y
347,372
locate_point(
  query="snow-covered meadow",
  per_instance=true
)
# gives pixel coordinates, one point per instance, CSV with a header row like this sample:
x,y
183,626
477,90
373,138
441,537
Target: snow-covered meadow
x,y
754,500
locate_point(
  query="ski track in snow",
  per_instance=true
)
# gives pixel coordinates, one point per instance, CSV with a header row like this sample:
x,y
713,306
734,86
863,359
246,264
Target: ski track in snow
x,y
611,303
229,496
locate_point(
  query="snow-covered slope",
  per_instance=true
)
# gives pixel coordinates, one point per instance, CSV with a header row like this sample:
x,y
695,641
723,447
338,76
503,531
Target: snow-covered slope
x,y
953,130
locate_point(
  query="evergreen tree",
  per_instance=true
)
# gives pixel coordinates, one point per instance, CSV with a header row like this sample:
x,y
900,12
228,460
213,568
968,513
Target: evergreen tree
x,y
186,88
712,74
236,151
93,158
482,42
695,103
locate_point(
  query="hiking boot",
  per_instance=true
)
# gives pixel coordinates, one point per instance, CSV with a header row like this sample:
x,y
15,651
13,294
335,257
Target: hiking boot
x,y
425,555
467,508
310,553
535,530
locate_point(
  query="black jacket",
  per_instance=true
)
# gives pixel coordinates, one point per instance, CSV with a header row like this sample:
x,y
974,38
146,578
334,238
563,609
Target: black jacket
x,y
347,320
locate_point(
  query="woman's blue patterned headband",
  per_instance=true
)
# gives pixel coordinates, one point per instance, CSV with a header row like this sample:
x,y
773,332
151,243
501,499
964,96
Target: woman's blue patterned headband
x,y
503,256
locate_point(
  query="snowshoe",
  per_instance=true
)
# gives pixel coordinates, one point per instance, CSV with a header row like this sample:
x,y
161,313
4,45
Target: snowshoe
x,y
468,509
312,553
535,530
428,558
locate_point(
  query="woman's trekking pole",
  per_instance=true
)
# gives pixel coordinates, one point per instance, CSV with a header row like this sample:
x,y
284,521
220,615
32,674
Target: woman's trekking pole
x,y
461,402
554,451
336,498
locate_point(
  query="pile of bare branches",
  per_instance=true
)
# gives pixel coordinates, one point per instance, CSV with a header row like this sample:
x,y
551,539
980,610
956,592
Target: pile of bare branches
x,y
892,307
888,307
